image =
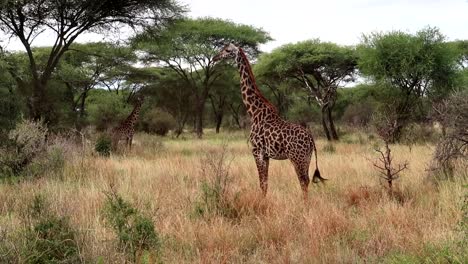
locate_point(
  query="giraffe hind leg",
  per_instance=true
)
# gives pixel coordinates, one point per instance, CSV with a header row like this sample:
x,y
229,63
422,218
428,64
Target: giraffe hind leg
x,y
262,167
302,171
129,142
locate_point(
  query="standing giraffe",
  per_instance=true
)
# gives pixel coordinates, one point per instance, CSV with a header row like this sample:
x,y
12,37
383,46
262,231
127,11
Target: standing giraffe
x,y
270,135
126,129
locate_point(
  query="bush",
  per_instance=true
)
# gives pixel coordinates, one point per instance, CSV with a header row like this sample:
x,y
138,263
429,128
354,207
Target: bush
x,y
157,121
51,161
359,114
301,112
136,233
28,153
215,197
107,109
452,149
52,240
417,134
26,142
46,237
103,145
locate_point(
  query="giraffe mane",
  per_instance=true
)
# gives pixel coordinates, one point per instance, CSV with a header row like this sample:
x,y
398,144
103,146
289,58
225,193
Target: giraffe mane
x,y
254,82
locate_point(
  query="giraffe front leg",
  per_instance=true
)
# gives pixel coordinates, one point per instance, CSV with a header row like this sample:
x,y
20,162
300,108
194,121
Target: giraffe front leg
x,y
262,166
129,142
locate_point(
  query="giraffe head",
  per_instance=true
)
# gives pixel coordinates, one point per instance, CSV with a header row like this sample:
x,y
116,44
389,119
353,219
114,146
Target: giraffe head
x,y
229,51
139,99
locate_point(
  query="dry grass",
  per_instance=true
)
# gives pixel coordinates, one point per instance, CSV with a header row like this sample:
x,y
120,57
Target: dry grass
x,y
350,219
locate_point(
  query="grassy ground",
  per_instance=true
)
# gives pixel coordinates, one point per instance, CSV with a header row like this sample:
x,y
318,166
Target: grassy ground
x,y
351,219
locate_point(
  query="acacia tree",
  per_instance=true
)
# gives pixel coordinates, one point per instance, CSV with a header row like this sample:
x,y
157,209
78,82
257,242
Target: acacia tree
x,y
169,92
319,67
224,94
91,65
68,19
416,65
188,46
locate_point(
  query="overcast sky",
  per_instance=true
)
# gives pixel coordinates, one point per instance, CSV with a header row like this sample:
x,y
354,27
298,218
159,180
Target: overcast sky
x,y
338,21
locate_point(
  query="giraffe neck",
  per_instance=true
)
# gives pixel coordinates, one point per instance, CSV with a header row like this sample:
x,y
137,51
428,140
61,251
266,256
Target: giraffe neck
x,y
131,119
256,104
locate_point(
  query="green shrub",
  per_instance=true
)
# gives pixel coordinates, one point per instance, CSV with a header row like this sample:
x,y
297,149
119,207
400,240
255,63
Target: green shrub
x,y
103,145
157,121
301,112
216,197
135,232
107,109
52,240
47,238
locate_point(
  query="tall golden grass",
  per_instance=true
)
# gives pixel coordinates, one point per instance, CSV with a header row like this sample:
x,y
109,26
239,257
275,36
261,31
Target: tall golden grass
x,y
350,219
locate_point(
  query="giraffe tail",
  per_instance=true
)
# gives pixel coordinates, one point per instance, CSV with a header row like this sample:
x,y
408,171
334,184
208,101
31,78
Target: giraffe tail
x,y
317,177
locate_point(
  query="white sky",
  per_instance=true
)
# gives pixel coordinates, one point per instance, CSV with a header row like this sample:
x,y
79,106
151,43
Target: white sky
x,y
338,21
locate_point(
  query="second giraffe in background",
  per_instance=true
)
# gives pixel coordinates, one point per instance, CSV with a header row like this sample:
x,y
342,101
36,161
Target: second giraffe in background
x,y
126,129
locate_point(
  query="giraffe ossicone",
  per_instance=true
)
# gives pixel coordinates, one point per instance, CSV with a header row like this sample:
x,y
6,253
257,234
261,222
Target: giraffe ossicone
x,y
271,136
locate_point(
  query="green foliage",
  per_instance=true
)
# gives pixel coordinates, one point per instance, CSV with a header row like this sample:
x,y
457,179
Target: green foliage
x,y
135,232
215,198
91,65
10,110
417,64
188,46
157,121
328,60
202,38
103,145
169,92
107,109
213,202
318,67
302,112
448,253
48,238
52,240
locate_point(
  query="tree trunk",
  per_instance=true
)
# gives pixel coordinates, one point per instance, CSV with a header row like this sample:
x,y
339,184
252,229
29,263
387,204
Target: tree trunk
x,y
199,118
38,104
324,123
180,125
334,135
219,121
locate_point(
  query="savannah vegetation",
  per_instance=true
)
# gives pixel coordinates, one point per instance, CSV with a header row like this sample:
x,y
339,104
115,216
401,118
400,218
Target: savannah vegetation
x,y
389,116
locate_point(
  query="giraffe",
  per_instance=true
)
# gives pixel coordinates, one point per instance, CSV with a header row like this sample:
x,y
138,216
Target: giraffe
x,y
126,129
271,136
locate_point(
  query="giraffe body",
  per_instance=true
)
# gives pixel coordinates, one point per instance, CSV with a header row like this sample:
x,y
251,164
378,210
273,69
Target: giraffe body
x,y
271,136
126,129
